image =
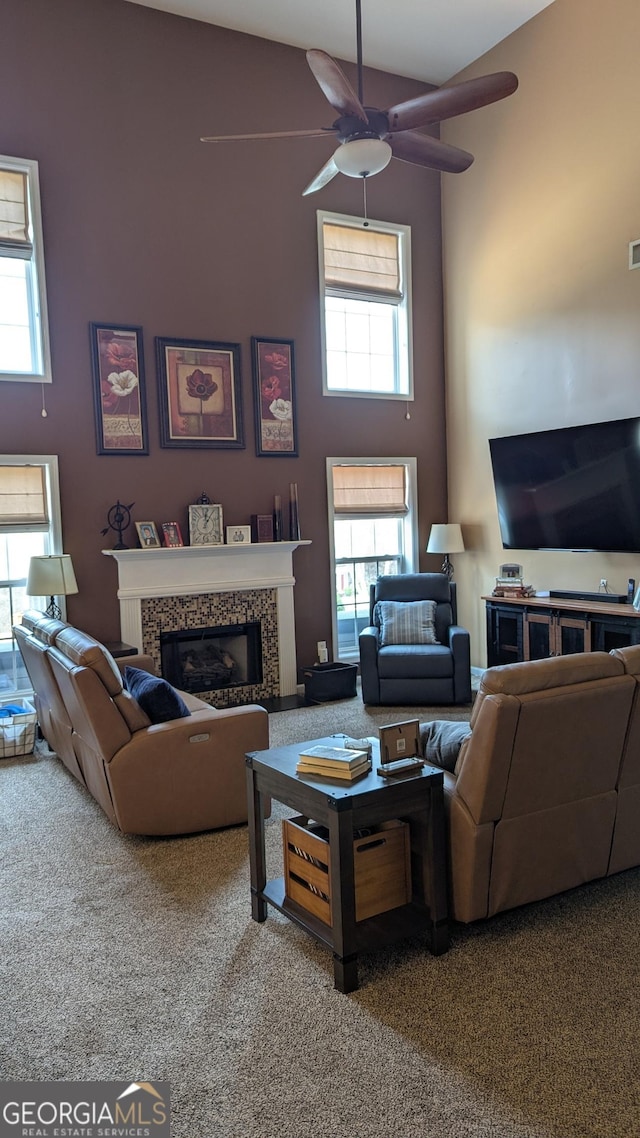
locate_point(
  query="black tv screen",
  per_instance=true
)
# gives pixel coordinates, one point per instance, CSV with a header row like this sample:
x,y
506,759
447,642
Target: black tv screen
x,y
574,488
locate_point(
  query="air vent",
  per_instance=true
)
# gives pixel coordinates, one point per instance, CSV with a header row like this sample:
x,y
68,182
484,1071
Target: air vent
x,y
634,254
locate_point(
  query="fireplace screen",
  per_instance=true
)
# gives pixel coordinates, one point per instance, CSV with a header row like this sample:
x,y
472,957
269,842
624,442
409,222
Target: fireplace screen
x,y
206,659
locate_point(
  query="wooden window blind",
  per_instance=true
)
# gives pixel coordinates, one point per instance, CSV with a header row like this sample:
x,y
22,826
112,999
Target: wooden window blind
x,y
366,260
23,497
370,490
14,214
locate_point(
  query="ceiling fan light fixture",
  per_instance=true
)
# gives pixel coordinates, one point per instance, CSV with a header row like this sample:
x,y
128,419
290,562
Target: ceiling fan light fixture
x,y
362,157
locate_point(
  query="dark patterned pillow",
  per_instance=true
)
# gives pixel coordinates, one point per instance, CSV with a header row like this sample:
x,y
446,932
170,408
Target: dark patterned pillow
x,y
441,742
156,697
406,622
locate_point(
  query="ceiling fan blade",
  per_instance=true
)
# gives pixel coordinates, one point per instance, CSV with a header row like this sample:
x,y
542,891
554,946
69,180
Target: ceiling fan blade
x,y
434,106
328,171
320,132
334,84
422,150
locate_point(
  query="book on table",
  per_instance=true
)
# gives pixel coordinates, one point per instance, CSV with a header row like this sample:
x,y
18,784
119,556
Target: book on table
x,y
334,757
312,769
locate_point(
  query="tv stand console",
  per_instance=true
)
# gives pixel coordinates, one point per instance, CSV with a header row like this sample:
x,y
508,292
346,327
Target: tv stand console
x,y
532,628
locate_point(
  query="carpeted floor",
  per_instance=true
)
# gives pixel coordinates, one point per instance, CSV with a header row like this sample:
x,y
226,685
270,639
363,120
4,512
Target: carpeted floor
x,y
135,958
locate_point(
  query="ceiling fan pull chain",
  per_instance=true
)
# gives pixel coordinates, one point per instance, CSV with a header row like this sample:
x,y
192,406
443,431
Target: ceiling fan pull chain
x,y
364,195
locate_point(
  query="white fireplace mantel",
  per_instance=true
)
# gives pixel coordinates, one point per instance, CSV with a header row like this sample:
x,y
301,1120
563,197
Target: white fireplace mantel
x,y
192,569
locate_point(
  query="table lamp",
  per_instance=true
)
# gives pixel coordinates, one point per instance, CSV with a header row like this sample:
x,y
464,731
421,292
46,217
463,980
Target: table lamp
x,y
52,576
446,539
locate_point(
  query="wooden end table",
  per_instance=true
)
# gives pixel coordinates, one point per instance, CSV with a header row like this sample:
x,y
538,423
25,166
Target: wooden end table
x,y
416,798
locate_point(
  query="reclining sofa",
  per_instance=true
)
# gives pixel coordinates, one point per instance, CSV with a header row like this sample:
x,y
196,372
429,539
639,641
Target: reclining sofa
x,y
175,776
545,792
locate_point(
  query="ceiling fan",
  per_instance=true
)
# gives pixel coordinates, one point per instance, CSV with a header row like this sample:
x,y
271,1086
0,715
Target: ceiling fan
x,y
368,137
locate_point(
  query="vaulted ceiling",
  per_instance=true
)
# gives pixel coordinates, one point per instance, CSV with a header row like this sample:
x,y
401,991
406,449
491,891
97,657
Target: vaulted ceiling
x,y
430,41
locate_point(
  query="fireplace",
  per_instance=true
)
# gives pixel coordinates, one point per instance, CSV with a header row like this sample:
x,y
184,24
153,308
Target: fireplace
x,y
218,586
202,660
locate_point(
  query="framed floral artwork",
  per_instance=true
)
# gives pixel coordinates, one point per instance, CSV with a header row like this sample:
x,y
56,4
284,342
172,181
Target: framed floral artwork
x,y
200,394
118,389
274,397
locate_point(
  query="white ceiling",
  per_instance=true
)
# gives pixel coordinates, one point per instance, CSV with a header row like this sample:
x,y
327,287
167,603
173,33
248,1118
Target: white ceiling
x,y
429,40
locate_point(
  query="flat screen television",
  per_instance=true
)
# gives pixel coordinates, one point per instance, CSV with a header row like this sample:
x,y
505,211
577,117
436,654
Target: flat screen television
x,y
573,488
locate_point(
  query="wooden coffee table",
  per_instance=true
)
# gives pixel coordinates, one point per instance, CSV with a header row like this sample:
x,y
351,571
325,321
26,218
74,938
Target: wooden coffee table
x,y
342,808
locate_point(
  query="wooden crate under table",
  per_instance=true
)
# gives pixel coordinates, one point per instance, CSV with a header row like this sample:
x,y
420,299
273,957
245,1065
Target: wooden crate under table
x,y
381,862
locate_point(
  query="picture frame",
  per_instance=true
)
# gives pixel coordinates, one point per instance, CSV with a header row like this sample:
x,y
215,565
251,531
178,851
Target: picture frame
x,y
172,535
200,394
274,397
205,524
238,535
262,527
148,535
119,396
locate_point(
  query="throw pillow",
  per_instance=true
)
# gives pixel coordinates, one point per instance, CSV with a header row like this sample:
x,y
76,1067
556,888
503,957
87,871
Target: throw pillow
x,y
441,741
406,622
156,697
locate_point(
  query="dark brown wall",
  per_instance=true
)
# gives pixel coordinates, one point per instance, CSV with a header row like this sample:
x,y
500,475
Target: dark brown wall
x,y
145,225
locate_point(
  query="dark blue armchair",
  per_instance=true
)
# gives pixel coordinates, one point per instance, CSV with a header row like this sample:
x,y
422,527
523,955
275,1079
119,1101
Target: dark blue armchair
x,y
414,656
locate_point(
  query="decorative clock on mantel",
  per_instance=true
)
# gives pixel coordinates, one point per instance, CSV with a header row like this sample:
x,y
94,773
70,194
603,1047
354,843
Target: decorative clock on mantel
x,y
205,522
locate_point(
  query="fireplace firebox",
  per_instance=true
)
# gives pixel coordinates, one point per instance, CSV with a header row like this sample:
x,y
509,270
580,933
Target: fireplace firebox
x,y
208,659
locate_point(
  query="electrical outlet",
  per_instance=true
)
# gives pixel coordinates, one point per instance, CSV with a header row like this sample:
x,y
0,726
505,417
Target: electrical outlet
x,y
603,583
323,655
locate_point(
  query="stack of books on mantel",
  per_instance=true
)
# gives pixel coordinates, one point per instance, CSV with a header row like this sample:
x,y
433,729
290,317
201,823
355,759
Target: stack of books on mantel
x,y
333,762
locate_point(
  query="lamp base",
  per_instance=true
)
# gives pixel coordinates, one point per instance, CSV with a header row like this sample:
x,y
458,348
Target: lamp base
x,y
53,610
447,567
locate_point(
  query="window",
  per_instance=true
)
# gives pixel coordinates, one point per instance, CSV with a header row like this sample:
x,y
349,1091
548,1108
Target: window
x,y
24,335
372,527
29,526
365,287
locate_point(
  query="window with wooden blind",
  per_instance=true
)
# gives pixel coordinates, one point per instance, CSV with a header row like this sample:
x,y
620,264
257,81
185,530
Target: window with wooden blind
x,y
373,531
365,288
29,527
362,490
24,335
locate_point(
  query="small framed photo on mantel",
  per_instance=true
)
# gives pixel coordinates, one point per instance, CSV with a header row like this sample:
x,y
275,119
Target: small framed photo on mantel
x,y
148,535
172,535
238,535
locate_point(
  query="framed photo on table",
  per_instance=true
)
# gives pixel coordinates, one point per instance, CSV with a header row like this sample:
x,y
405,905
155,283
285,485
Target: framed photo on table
x,y
205,524
200,394
118,389
274,397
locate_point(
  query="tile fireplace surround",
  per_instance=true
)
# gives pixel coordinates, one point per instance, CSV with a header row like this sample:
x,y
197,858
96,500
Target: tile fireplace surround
x,y
199,586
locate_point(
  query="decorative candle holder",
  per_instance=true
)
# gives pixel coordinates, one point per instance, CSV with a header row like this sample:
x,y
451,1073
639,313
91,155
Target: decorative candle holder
x,y
294,519
277,518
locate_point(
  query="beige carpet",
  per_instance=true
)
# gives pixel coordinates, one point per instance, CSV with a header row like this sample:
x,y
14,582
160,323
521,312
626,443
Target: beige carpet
x,y
134,958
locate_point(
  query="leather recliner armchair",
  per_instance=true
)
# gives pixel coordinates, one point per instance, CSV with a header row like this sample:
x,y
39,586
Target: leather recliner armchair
x,y
416,673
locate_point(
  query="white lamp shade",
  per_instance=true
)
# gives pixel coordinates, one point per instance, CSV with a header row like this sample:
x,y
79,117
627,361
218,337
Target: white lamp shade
x,y
51,576
362,157
445,539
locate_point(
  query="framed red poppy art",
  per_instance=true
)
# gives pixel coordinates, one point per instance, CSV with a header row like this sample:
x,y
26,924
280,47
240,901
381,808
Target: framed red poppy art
x,y
200,394
118,389
274,397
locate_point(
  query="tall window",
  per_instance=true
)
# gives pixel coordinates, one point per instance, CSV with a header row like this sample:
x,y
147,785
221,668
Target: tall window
x,y
24,335
372,523
29,527
365,288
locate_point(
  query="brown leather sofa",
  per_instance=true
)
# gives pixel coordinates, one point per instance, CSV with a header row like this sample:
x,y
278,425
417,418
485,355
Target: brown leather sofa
x,y
545,794
175,777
